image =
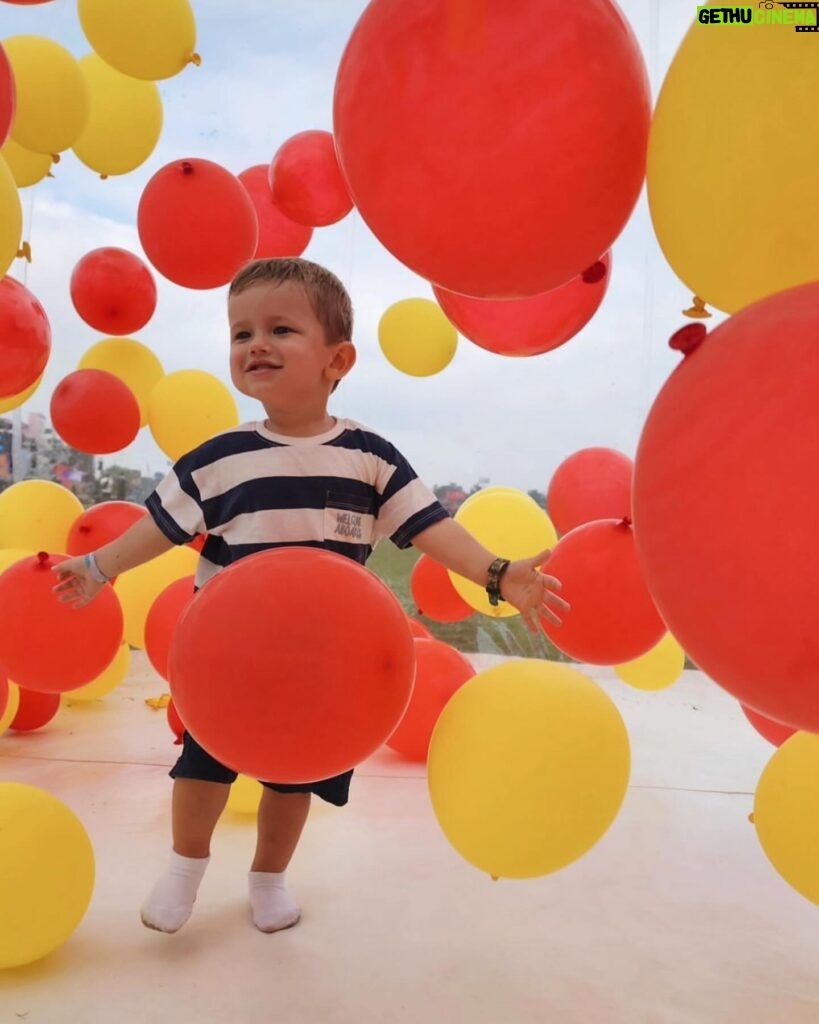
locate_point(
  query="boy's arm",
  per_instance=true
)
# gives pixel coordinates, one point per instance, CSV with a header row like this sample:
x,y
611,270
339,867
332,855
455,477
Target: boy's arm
x,y
521,584
140,543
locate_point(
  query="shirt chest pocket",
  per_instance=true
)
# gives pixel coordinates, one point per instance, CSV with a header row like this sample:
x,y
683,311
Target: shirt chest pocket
x,y
348,518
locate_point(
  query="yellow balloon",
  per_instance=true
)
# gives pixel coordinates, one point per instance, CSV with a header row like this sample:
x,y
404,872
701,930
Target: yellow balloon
x,y
26,168
46,873
124,120
658,669
417,338
12,704
11,218
187,408
134,363
786,813
105,683
147,39
730,163
138,588
508,522
245,794
528,767
52,97
15,401
38,515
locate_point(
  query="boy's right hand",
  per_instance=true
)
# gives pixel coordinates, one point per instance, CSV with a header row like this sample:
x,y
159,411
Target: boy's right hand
x,y
75,583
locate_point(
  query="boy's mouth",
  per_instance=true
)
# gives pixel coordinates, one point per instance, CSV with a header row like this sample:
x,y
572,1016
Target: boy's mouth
x,y
261,367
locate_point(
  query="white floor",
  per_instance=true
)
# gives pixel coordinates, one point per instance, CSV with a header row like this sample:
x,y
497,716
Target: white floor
x,y
675,917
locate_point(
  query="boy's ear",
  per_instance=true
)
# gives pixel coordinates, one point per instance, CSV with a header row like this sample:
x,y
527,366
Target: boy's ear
x,y
343,360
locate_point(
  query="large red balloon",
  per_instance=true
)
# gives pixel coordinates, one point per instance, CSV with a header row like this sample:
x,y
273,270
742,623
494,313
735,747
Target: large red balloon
x,y
48,646
773,732
4,692
529,327
175,723
594,483
495,149
95,412
306,181
440,671
612,618
113,291
293,682
278,235
101,524
434,594
197,223
8,97
25,338
34,710
725,500
162,620
418,630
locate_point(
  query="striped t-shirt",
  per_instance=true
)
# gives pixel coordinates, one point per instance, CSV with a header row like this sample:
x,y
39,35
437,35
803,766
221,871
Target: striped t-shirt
x,y
249,490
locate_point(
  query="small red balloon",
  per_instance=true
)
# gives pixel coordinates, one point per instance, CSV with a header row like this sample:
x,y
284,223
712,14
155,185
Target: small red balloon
x,y
298,681
8,97
440,671
175,723
594,483
49,646
95,412
4,693
528,327
434,594
612,618
35,710
101,524
306,180
25,338
162,620
768,729
197,224
113,291
418,630
278,235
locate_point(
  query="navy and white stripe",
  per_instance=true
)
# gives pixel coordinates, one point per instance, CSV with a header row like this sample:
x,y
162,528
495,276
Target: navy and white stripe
x,y
251,490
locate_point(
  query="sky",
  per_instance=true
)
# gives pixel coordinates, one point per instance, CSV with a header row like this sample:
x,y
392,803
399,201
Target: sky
x,y
268,71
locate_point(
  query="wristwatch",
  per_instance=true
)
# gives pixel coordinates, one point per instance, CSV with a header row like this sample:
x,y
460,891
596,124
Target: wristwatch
x,y
493,580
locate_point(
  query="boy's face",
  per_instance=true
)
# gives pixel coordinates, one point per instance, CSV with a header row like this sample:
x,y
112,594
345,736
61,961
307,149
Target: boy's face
x,y
278,350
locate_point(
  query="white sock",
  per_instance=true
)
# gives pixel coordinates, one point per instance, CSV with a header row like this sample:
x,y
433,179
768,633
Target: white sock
x,y
273,907
170,902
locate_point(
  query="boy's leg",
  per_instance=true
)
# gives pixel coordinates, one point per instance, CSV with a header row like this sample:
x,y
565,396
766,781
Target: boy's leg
x,y
280,824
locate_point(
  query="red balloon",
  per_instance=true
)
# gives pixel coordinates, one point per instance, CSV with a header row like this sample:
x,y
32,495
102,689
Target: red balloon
x,y
4,693
162,621
306,181
418,630
434,594
26,338
508,156
612,618
529,327
113,291
440,671
773,732
278,235
48,646
175,723
35,710
8,97
95,412
725,493
298,681
594,483
198,542
101,524
197,223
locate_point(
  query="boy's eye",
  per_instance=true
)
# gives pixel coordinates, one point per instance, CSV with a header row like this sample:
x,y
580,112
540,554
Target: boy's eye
x,y
241,335
281,329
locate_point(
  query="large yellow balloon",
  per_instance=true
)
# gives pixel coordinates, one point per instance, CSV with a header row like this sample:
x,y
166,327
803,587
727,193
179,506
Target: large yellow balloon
x,y
52,97
509,523
245,794
147,39
786,813
124,121
105,683
417,338
15,401
187,408
38,515
26,168
658,669
11,218
138,588
528,767
731,163
12,704
46,873
134,363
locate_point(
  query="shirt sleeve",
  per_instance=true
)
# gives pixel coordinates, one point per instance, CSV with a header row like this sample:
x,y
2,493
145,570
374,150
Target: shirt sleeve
x,y
406,506
176,504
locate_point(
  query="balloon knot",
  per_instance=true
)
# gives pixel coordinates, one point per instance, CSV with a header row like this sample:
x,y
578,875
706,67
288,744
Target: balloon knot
x,y
187,167
697,310
596,272
195,59
495,878
688,338
626,521
103,177
751,818
42,557
55,158
24,252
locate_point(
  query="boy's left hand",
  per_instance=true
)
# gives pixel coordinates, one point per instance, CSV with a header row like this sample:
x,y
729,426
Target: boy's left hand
x,y
531,591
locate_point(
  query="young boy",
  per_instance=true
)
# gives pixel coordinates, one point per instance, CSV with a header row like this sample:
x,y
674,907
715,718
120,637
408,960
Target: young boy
x,y
293,478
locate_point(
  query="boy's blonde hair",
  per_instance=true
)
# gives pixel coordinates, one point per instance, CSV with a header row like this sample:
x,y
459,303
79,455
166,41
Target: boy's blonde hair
x,y
326,294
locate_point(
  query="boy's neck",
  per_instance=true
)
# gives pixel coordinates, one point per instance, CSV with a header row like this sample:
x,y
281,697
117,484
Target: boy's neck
x,y
296,425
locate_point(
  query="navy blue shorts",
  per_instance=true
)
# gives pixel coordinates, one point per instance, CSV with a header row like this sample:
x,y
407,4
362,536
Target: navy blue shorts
x,y
196,763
